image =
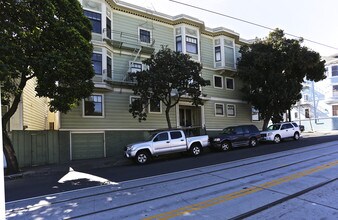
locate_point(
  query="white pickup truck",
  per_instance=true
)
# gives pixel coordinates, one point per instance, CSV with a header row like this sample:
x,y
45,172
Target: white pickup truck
x,y
166,142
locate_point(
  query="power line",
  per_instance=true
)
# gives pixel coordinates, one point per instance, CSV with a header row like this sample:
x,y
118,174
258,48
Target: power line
x,y
251,23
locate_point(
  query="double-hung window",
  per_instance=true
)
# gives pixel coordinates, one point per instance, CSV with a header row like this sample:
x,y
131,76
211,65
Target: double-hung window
x,y
179,43
230,83
97,63
191,45
155,107
334,70
95,19
218,56
135,67
335,91
334,110
231,110
229,53
144,36
219,109
218,82
93,105
108,27
109,67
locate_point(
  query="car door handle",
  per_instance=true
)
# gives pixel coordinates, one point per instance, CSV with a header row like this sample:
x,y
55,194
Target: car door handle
x,y
182,139
168,142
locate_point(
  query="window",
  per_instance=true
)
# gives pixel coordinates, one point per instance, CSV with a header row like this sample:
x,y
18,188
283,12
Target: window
x,y
335,91
218,54
179,44
334,110
218,82
296,114
162,137
307,113
230,83
93,105
155,107
191,44
144,36
334,70
306,97
95,19
97,63
219,109
135,67
175,134
109,67
229,53
255,114
108,28
231,110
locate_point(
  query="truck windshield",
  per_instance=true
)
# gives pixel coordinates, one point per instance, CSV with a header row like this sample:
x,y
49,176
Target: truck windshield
x,y
150,137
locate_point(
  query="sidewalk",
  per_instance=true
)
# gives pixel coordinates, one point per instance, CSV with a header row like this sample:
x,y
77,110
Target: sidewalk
x,y
89,164
78,165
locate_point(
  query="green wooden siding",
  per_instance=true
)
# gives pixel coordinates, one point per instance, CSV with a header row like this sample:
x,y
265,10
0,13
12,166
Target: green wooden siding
x,y
87,145
117,116
207,51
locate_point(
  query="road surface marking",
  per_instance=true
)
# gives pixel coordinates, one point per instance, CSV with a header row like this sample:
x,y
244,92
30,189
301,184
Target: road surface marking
x,y
221,199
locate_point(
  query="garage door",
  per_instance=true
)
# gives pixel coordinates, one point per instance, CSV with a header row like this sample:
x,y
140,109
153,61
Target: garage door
x,y
88,145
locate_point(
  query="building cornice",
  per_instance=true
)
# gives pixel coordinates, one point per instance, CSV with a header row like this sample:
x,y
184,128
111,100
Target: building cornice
x,y
174,20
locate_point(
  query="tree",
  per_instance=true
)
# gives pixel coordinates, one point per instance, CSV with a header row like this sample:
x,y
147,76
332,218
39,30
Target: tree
x,y
48,41
169,76
273,70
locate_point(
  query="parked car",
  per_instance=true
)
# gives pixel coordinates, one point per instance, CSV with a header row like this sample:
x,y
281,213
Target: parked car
x,y
166,142
236,136
279,131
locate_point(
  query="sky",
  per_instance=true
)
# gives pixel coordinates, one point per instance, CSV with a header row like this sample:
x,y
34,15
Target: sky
x,y
316,20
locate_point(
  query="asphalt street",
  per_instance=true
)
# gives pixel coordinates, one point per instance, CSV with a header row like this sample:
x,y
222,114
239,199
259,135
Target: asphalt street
x,y
43,184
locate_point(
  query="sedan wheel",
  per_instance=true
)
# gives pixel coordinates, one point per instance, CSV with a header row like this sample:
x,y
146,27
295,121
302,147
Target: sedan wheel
x,y
277,139
225,146
296,136
253,142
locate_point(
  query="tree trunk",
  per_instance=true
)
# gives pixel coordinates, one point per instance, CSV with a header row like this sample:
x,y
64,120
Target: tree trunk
x,y
167,110
12,162
265,123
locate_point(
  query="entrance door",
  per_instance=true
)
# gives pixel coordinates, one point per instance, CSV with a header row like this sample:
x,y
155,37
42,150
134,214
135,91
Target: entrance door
x,y
189,116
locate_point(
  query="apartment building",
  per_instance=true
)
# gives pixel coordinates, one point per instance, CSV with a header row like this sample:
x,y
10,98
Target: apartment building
x,y
123,35
318,108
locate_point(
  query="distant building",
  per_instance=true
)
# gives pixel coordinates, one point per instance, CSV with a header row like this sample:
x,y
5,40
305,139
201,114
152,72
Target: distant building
x,y
318,108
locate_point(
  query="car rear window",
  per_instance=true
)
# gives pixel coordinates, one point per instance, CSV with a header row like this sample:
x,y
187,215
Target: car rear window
x,y
295,124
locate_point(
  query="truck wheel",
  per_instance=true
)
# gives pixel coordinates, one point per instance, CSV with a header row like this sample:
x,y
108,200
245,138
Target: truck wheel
x,y
142,157
225,146
195,150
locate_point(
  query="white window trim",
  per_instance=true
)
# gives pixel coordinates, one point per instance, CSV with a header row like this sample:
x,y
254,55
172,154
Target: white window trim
x,y
233,83
139,36
132,62
231,116
216,111
216,87
93,116
160,112
133,96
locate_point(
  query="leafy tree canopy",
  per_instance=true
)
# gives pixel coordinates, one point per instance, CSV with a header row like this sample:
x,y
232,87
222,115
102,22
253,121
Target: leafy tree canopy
x,y
169,76
273,70
49,41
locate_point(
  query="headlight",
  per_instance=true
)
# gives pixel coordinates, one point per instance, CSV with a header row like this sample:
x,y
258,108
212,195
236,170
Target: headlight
x,y
217,139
